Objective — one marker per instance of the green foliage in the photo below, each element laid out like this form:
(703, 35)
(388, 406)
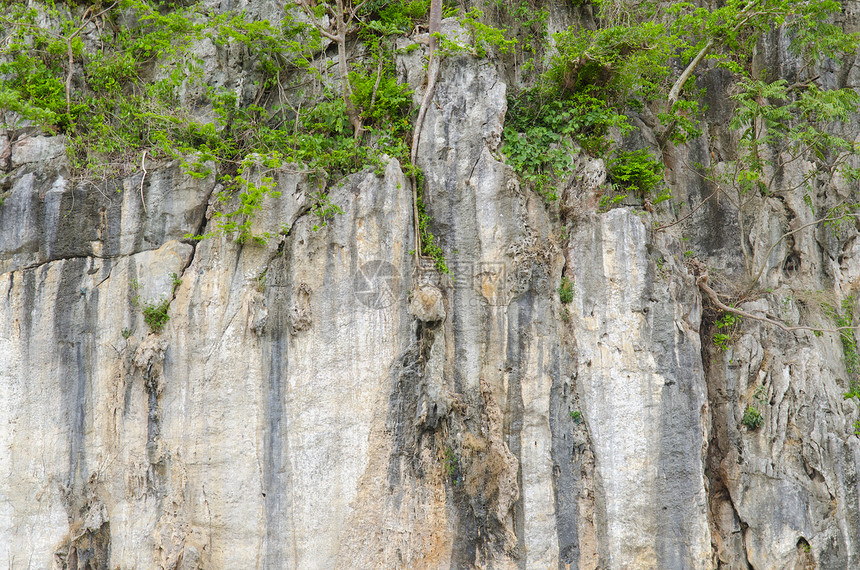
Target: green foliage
(539, 134)
(631, 58)
(399, 16)
(752, 418)
(107, 73)
(727, 327)
(429, 247)
(383, 101)
(128, 99)
(620, 62)
(565, 290)
(683, 121)
(850, 355)
(576, 416)
(486, 38)
(480, 39)
(324, 210)
(794, 122)
(451, 466)
(155, 314)
(609, 201)
(526, 23)
(636, 172)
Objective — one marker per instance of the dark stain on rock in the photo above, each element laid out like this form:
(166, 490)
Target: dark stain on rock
(567, 468)
(70, 335)
(276, 358)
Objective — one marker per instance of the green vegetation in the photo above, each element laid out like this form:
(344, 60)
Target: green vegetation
(429, 246)
(727, 327)
(753, 418)
(540, 130)
(850, 355)
(576, 416)
(155, 314)
(565, 290)
(125, 82)
(119, 96)
(525, 23)
(451, 465)
(636, 172)
(597, 77)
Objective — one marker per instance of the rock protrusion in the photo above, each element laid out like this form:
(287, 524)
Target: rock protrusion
(427, 305)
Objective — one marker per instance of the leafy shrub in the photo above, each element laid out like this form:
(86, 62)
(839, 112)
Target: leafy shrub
(540, 128)
(397, 14)
(636, 172)
(451, 466)
(620, 61)
(382, 99)
(565, 290)
(727, 326)
(155, 314)
(752, 418)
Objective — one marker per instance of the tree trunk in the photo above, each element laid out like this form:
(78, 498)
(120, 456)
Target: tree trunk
(432, 72)
(343, 69)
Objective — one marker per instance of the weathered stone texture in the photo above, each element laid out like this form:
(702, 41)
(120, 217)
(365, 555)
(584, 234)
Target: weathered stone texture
(321, 401)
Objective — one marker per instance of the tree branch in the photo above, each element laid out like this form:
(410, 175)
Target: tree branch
(87, 18)
(307, 10)
(432, 72)
(142, 178)
(785, 235)
(675, 92)
(690, 213)
(702, 282)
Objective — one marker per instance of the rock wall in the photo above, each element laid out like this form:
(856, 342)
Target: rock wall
(324, 401)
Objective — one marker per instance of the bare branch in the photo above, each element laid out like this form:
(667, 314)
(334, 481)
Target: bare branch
(702, 282)
(792, 232)
(305, 6)
(143, 167)
(690, 213)
(432, 72)
(674, 93)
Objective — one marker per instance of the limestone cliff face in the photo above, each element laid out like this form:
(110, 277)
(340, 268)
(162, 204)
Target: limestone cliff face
(323, 402)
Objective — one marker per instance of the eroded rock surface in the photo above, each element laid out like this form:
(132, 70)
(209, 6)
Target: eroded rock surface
(322, 401)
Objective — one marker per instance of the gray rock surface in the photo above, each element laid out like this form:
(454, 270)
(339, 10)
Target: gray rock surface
(321, 401)
(644, 395)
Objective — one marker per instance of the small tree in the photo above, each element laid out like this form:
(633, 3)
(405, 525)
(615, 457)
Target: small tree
(342, 15)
